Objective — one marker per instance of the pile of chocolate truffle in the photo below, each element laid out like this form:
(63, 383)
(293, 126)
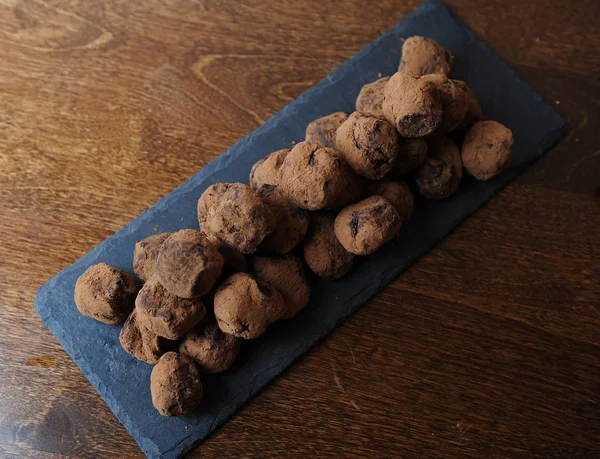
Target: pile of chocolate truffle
(343, 192)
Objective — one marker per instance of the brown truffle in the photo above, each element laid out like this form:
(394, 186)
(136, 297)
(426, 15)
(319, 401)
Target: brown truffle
(369, 144)
(322, 130)
(139, 341)
(313, 177)
(411, 154)
(365, 226)
(146, 254)
(245, 307)
(234, 214)
(175, 385)
(286, 274)
(291, 222)
(454, 97)
(105, 293)
(323, 253)
(188, 264)
(411, 105)
(440, 174)
(397, 193)
(487, 149)
(265, 171)
(213, 350)
(370, 98)
(165, 314)
(422, 56)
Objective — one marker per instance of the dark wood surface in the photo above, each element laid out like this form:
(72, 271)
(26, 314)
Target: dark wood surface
(489, 346)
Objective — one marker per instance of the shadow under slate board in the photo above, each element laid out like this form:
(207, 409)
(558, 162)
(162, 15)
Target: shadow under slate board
(124, 382)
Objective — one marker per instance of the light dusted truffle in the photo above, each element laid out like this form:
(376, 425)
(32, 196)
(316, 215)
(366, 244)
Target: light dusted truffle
(411, 105)
(397, 193)
(105, 293)
(422, 56)
(314, 177)
(487, 149)
(245, 307)
(175, 385)
(165, 314)
(286, 274)
(188, 264)
(211, 349)
(323, 253)
(265, 171)
(234, 214)
(291, 222)
(370, 98)
(145, 255)
(139, 341)
(369, 144)
(454, 97)
(322, 130)
(441, 173)
(411, 154)
(364, 227)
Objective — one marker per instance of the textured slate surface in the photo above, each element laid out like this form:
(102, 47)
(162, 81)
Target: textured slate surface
(123, 382)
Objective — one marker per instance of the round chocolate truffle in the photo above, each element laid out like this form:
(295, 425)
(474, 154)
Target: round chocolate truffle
(397, 193)
(322, 130)
(487, 149)
(453, 95)
(142, 343)
(265, 171)
(422, 56)
(441, 173)
(411, 154)
(370, 98)
(146, 254)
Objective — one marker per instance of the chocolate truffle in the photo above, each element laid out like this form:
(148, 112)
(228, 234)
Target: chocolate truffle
(322, 130)
(188, 264)
(487, 149)
(212, 350)
(165, 314)
(265, 171)
(370, 98)
(286, 274)
(175, 385)
(105, 293)
(454, 97)
(139, 341)
(411, 154)
(235, 214)
(146, 254)
(323, 253)
(397, 193)
(245, 307)
(440, 174)
(365, 226)
(422, 56)
(369, 144)
(411, 105)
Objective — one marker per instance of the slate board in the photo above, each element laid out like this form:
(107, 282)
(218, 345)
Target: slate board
(123, 382)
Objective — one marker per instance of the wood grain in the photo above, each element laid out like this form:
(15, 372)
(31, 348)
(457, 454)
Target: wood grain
(488, 347)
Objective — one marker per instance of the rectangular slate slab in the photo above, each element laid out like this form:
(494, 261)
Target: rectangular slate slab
(123, 381)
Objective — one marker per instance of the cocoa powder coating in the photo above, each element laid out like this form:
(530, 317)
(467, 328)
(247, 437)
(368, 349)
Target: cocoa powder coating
(370, 98)
(397, 193)
(454, 97)
(487, 149)
(422, 56)
(265, 171)
(441, 173)
(139, 341)
(322, 130)
(145, 255)
(411, 154)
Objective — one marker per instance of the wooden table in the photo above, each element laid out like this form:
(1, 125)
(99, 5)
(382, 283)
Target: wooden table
(488, 347)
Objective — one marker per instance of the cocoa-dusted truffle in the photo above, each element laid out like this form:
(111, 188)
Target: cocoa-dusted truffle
(411, 105)
(369, 144)
(213, 350)
(165, 314)
(422, 56)
(365, 226)
(234, 214)
(265, 171)
(397, 193)
(323, 253)
(105, 293)
(291, 222)
(440, 174)
(146, 254)
(453, 95)
(313, 177)
(322, 130)
(188, 264)
(487, 149)
(370, 98)
(139, 341)
(245, 307)
(411, 154)
(286, 274)
(175, 385)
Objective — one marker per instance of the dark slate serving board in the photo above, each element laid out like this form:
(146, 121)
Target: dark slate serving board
(123, 382)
